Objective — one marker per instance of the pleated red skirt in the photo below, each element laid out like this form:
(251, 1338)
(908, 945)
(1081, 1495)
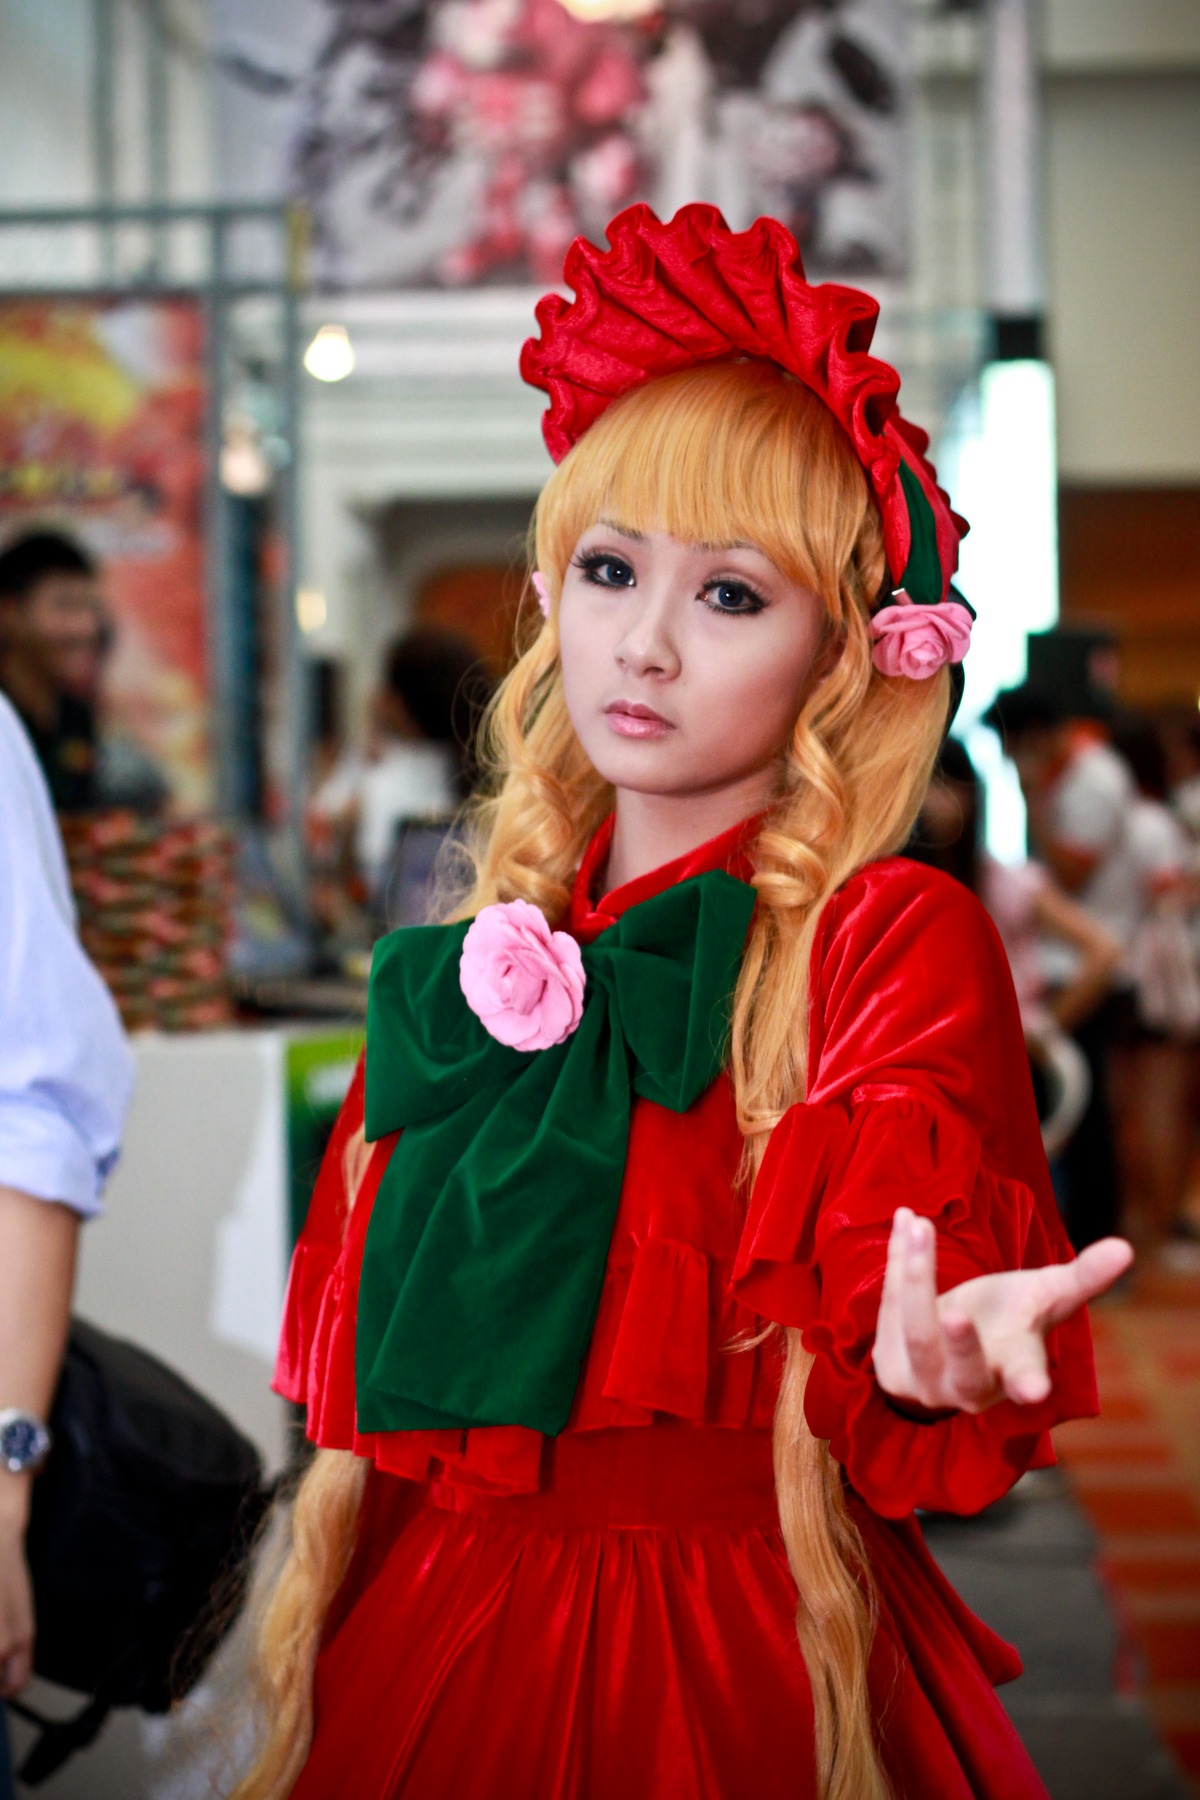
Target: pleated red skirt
(627, 1633)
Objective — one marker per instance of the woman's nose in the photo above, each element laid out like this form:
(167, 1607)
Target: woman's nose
(648, 647)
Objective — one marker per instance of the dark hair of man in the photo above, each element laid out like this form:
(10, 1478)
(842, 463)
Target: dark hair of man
(29, 559)
(1018, 711)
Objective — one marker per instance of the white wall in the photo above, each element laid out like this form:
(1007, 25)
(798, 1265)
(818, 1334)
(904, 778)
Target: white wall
(1122, 215)
(47, 130)
(45, 80)
(1123, 204)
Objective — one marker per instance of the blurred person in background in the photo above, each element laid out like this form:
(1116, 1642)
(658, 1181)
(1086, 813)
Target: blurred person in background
(1182, 744)
(1028, 907)
(1156, 1057)
(1116, 850)
(53, 624)
(65, 1080)
(1182, 741)
(56, 637)
(419, 762)
(1079, 793)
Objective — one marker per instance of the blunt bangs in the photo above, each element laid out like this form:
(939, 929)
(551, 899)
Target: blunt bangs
(725, 453)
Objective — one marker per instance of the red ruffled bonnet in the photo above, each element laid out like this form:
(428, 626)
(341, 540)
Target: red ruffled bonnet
(668, 296)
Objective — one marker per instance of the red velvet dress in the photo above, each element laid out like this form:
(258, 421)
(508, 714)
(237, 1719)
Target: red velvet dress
(609, 1615)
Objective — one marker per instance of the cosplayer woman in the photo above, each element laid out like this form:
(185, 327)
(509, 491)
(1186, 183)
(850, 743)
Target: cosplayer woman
(688, 1226)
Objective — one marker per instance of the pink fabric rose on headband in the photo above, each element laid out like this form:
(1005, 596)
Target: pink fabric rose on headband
(917, 640)
(523, 981)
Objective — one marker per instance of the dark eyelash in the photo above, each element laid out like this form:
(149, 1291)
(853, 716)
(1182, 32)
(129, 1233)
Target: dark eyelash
(743, 587)
(591, 560)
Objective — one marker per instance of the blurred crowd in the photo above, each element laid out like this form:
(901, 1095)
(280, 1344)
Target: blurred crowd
(1102, 928)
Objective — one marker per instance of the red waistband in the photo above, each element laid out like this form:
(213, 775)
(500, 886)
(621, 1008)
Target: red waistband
(658, 1477)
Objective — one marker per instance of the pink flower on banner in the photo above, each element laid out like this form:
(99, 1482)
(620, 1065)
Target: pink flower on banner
(523, 981)
(540, 589)
(917, 640)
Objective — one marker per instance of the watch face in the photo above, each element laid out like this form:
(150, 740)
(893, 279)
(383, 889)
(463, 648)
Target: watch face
(21, 1443)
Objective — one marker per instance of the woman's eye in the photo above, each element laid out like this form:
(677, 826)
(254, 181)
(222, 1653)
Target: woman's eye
(605, 571)
(732, 597)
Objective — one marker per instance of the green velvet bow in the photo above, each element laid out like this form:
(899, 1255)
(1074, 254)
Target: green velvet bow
(487, 1244)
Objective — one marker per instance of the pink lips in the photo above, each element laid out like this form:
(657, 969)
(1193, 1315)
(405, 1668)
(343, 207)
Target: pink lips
(629, 718)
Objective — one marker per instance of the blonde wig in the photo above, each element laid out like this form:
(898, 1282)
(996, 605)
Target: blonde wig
(714, 454)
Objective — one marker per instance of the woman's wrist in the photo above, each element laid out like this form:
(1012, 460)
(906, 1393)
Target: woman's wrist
(15, 1493)
(915, 1413)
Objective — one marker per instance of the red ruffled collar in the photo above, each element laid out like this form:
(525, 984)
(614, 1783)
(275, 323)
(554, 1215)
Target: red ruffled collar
(587, 918)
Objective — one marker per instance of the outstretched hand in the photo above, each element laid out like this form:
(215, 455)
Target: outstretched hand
(984, 1340)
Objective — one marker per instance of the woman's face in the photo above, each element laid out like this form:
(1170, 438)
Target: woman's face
(684, 665)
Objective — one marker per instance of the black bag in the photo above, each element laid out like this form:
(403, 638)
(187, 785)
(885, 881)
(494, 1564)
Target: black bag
(149, 1499)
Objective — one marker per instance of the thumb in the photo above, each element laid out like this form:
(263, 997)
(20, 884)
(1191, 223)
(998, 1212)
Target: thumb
(1093, 1272)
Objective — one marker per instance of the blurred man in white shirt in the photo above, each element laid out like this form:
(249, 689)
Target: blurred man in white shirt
(1079, 794)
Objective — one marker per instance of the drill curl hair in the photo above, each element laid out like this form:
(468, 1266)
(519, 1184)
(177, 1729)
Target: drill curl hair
(722, 452)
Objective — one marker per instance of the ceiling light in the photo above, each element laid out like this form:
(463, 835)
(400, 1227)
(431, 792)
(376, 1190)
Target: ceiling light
(330, 356)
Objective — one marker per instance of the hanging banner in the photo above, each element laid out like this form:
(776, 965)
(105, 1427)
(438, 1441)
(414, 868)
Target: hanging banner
(101, 437)
(462, 143)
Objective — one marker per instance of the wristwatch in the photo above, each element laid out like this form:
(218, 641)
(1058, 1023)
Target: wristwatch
(24, 1441)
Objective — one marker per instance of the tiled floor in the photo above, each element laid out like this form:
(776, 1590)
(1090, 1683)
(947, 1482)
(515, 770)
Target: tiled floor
(1028, 1566)
(1136, 1473)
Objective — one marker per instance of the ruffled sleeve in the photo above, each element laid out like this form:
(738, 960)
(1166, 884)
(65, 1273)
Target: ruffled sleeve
(919, 1096)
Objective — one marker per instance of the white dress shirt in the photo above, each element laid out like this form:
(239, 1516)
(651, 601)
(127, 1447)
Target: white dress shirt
(1137, 844)
(66, 1072)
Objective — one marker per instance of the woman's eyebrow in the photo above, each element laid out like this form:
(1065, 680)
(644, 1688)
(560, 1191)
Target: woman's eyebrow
(704, 549)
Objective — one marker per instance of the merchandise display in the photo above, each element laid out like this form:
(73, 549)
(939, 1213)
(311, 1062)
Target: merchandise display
(154, 899)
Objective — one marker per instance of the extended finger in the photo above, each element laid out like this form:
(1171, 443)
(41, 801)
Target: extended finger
(889, 1355)
(923, 1338)
(969, 1375)
(1070, 1285)
(1023, 1370)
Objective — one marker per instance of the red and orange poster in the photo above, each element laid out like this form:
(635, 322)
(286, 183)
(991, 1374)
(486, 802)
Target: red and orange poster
(101, 434)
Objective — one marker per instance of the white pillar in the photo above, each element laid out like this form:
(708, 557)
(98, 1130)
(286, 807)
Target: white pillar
(1014, 266)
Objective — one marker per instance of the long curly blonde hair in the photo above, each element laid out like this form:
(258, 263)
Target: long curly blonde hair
(720, 453)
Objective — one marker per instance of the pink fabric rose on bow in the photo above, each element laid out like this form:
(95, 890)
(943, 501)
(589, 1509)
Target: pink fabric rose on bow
(523, 981)
(916, 640)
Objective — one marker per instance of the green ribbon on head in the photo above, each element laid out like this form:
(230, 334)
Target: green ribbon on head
(487, 1244)
(922, 577)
